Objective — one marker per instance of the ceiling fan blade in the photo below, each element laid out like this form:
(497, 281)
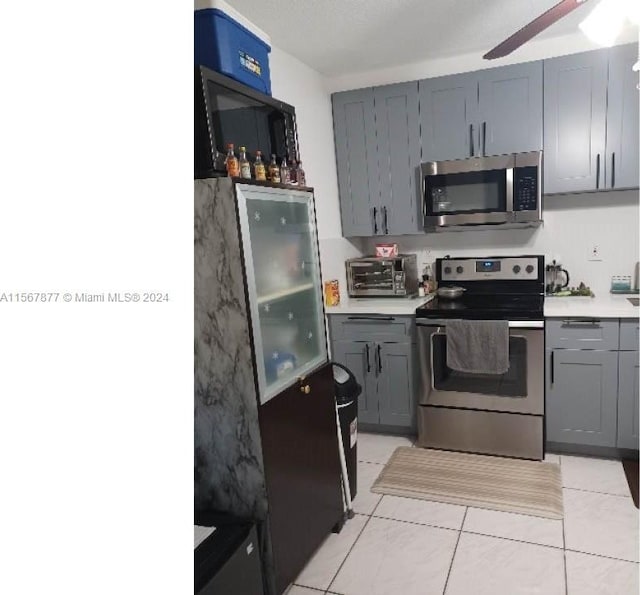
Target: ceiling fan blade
(546, 19)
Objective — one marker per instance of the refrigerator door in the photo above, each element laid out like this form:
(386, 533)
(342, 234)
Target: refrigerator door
(280, 249)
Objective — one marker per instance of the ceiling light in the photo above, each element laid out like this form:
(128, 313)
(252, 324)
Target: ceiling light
(605, 21)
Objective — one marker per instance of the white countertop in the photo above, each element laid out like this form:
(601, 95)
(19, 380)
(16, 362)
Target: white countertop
(601, 306)
(384, 306)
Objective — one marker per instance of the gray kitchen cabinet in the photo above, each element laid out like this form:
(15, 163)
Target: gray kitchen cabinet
(628, 410)
(396, 385)
(357, 163)
(510, 109)
(382, 358)
(377, 155)
(591, 121)
(489, 112)
(358, 357)
(581, 396)
(622, 119)
(398, 134)
(448, 108)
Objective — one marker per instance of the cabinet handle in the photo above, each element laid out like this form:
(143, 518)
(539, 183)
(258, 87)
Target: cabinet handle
(371, 318)
(366, 347)
(484, 139)
(597, 171)
(613, 170)
(581, 322)
(386, 226)
(552, 366)
(470, 140)
(375, 221)
(379, 360)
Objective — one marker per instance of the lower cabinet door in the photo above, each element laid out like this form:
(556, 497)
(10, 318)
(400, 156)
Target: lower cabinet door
(359, 357)
(396, 384)
(302, 471)
(628, 370)
(581, 396)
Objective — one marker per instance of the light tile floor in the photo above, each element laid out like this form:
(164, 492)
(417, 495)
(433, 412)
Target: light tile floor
(401, 546)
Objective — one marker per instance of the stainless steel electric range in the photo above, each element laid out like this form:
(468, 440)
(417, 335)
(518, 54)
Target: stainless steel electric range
(499, 414)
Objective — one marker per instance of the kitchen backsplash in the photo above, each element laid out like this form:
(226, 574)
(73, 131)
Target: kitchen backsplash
(573, 224)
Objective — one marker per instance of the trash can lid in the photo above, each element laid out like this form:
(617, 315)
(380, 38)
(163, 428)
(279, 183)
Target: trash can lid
(340, 375)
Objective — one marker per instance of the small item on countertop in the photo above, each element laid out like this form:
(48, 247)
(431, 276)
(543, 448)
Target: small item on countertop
(421, 291)
(285, 172)
(582, 290)
(620, 283)
(259, 168)
(232, 163)
(301, 177)
(428, 281)
(274, 170)
(332, 293)
(386, 250)
(245, 166)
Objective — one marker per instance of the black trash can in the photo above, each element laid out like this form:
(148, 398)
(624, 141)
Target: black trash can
(347, 391)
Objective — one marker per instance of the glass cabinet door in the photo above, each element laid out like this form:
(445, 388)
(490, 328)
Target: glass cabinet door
(283, 280)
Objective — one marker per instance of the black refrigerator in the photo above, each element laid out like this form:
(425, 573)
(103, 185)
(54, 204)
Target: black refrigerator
(266, 444)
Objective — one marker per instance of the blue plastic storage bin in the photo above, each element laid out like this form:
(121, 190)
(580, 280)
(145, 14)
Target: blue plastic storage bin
(224, 45)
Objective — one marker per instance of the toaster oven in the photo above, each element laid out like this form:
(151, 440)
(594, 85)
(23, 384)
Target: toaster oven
(396, 276)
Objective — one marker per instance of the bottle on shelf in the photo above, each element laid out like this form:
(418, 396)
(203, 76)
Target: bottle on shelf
(293, 172)
(220, 161)
(274, 170)
(233, 166)
(300, 175)
(285, 171)
(245, 166)
(259, 168)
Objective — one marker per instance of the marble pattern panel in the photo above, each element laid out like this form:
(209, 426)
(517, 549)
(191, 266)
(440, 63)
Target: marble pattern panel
(229, 474)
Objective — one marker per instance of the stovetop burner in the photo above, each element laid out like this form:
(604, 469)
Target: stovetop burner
(497, 288)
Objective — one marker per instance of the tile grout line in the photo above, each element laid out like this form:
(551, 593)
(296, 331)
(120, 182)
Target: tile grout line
(602, 556)
(455, 549)
(564, 553)
(369, 517)
(594, 492)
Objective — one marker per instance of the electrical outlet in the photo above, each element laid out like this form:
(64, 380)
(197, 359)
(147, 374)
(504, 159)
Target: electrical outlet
(594, 253)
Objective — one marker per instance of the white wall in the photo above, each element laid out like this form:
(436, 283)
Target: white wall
(301, 86)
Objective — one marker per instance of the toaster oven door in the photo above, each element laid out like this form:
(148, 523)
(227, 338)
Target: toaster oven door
(370, 278)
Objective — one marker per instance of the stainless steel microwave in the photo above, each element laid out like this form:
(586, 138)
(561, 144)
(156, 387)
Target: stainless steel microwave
(498, 191)
(396, 276)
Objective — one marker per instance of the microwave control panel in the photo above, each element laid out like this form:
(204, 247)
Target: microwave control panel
(525, 194)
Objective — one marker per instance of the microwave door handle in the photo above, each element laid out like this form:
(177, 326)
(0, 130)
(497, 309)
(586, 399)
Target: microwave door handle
(509, 190)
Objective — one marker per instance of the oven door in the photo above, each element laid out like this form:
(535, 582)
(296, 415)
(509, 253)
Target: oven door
(471, 191)
(519, 390)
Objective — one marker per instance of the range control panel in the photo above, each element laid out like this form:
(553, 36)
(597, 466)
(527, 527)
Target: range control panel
(506, 268)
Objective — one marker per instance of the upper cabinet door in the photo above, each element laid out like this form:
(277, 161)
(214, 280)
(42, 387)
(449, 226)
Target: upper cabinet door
(448, 109)
(398, 134)
(510, 109)
(575, 103)
(622, 118)
(355, 137)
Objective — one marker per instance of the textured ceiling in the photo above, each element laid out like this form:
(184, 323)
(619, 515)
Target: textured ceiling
(337, 37)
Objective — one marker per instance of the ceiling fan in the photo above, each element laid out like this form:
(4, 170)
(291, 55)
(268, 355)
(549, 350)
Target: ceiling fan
(602, 25)
(520, 37)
